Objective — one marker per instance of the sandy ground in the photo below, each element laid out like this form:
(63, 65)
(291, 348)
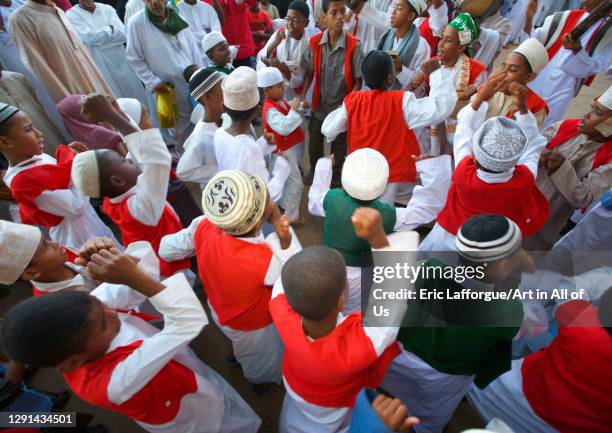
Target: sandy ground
(213, 347)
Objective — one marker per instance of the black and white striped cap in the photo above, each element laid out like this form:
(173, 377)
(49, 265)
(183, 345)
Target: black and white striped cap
(488, 237)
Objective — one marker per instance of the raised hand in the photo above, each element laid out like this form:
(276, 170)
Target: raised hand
(393, 413)
(92, 246)
(519, 94)
(77, 147)
(281, 227)
(430, 66)
(368, 225)
(571, 44)
(98, 107)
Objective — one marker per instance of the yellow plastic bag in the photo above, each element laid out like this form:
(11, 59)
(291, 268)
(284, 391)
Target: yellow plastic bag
(167, 111)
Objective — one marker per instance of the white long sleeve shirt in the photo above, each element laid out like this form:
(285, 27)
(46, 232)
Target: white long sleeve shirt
(147, 199)
(418, 112)
(242, 152)
(468, 123)
(198, 163)
(201, 17)
(427, 199)
(283, 124)
(181, 245)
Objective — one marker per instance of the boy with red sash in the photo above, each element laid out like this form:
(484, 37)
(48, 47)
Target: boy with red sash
(467, 74)
(571, 62)
(238, 267)
(284, 122)
(496, 163)
(134, 198)
(329, 357)
(521, 66)
(575, 168)
(564, 387)
(333, 65)
(117, 361)
(385, 120)
(41, 184)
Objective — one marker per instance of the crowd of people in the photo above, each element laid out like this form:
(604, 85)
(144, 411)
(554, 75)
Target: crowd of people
(436, 129)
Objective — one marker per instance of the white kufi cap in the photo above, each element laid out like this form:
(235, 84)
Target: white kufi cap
(365, 174)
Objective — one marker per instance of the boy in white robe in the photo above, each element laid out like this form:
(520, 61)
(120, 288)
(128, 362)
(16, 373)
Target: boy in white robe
(122, 363)
(235, 148)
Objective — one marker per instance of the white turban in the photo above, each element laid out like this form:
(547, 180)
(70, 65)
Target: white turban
(86, 173)
(418, 5)
(499, 143)
(18, 244)
(234, 201)
(606, 99)
(240, 89)
(211, 39)
(269, 76)
(535, 53)
(365, 174)
(131, 107)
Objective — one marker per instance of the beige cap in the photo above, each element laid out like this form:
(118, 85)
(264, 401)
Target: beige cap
(535, 53)
(18, 244)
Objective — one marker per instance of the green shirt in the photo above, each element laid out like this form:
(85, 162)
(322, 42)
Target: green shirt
(222, 69)
(338, 231)
(472, 337)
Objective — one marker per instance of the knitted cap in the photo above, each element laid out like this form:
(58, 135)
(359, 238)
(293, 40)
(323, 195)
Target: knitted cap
(535, 53)
(488, 237)
(86, 173)
(18, 244)
(240, 89)
(365, 174)
(499, 144)
(234, 201)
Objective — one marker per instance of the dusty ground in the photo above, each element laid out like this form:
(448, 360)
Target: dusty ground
(213, 347)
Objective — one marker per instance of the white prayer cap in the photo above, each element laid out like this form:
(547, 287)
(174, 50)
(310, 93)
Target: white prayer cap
(488, 237)
(535, 53)
(278, 23)
(131, 107)
(499, 144)
(418, 5)
(240, 89)
(606, 99)
(269, 76)
(86, 173)
(211, 39)
(365, 174)
(18, 244)
(234, 201)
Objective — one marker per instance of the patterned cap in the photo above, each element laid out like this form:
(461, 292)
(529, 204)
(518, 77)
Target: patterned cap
(18, 245)
(466, 27)
(365, 174)
(499, 144)
(606, 99)
(234, 201)
(240, 89)
(85, 173)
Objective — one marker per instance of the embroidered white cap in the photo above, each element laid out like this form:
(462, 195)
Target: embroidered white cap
(535, 53)
(240, 89)
(606, 98)
(499, 143)
(211, 39)
(18, 244)
(85, 173)
(269, 76)
(365, 174)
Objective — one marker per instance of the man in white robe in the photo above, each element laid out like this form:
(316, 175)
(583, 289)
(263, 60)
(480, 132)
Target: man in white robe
(160, 56)
(200, 16)
(100, 28)
(573, 63)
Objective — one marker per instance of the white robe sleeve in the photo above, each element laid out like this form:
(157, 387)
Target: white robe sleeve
(93, 37)
(149, 150)
(438, 18)
(184, 318)
(434, 108)
(281, 124)
(136, 57)
(427, 199)
(535, 142)
(62, 202)
(335, 123)
(198, 162)
(372, 16)
(422, 54)
(180, 245)
(582, 65)
(320, 186)
(468, 122)
(280, 256)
